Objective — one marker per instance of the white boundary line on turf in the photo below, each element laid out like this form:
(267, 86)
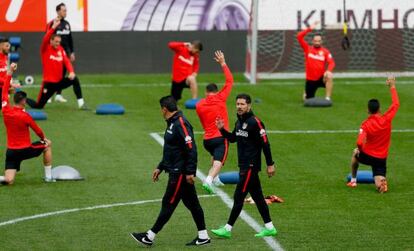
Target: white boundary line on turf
(274, 244)
(73, 210)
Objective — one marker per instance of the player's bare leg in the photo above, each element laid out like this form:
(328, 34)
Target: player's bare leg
(47, 162)
(328, 79)
(354, 169)
(192, 82)
(381, 183)
(8, 178)
(212, 175)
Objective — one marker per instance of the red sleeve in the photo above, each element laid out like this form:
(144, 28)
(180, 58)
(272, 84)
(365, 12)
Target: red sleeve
(35, 127)
(49, 26)
(46, 40)
(301, 39)
(176, 46)
(5, 91)
(330, 60)
(225, 91)
(1, 82)
(361, 137)
(67, 63)
(196, 65)
(390, 113)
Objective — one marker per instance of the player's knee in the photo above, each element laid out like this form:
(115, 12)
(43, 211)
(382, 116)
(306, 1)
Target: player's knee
(9, 180)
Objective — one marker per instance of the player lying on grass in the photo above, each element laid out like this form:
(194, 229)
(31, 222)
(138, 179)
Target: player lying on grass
(19, 145)
(208, 110)
(179, 160)
(185, 67)
(374, 140)
(54, 60)
(251, 138)
(316, 59)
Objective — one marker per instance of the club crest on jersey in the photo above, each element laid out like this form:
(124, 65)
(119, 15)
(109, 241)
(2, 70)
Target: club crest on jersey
(59, 53)
(321, 53)
(262, 132)
(244, 126)
(67, 26)
(3, 104)
(188, 140)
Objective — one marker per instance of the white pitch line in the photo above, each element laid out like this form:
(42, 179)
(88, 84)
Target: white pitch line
(273, 244)
(72, 210)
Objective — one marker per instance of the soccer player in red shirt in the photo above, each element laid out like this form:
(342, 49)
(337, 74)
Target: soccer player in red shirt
(19, 145)
(4, 57)
(208, 110)
(54, 60)
(374, 140)
(185, 67)
(316, 59)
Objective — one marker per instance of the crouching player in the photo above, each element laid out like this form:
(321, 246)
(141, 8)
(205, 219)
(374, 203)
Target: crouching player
(19, 145)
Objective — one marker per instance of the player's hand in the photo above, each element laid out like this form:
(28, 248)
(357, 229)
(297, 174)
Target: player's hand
(156, 174)
(219, 123)
(313, 26)
(15, 85)
(190, 179)
(56, 23)
(72, 57)
(390, 81)
(219, 57)
(271, 170)
(328, 74)
(47, 142)
(72, 76)
(12, 68)
(356, 151)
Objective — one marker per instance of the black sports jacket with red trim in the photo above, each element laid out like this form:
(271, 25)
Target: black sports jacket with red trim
(250, 135)
(180, 150)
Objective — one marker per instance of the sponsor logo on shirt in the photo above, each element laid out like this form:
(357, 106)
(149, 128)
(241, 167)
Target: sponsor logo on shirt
(189, 61)
(317, 57)
(3, 69)
(59, 58)
(63, 32)
(242, 133)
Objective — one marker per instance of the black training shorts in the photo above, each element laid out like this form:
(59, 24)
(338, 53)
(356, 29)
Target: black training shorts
(312, 85)
(379, 166)
(14, 157)
(177, 88)
(218, 148)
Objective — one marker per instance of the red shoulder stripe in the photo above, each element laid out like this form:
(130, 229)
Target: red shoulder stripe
(262, 130)
(188, 139)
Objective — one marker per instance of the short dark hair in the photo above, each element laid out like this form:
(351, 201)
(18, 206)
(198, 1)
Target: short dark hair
(373, 106)
(245, 97)
(4, 40)
(169, 103)
(197, 44)
(53, 36)
(19, 96)
(212, 87)
(59, 6)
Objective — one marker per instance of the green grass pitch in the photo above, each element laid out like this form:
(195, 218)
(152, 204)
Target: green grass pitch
(116, 155)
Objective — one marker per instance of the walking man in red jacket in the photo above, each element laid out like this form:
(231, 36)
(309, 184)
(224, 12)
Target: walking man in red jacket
(374, 140)
(185, 67)
(319, 64)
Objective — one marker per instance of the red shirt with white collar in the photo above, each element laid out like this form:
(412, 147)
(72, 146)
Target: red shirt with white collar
(184, 63)
(3, 68)
(316, 59)
(53, 60)
(375, 132)
(17, 122)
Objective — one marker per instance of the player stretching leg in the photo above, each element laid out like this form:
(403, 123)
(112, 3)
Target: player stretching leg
(208, 110)
(19, 146)
(374, 140)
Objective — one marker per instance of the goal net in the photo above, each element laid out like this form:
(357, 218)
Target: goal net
(381, 35)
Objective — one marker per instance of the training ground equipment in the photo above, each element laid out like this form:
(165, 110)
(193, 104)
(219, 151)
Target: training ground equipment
(110, 109)
(229, 177)
(66, 173)
(37, 115)
(191, 103)
(29, 80)
(317, 102)
(364, 176)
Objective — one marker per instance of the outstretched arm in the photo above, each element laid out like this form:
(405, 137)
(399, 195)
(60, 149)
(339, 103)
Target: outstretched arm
(392, 110)
(231, 136)
(49, 33)
(301, 36)
(176, 46)
(6, 86)
(225, 91)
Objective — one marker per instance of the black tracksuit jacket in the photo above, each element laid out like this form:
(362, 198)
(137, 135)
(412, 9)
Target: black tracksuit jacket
(65, 32)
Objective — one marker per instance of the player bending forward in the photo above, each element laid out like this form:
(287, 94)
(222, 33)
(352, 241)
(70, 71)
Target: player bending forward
(19, 146)
(374, 140)
(208, 110)
(251, 138)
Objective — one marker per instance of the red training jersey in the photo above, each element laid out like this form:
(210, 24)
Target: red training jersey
(53, 60)
(315, 58)
(375, 132)
(3, 68)
(213, 106)
(184, 63)
(17, 122)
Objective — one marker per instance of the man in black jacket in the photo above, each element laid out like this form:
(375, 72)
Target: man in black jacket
(251, 138)
(180, 161)
(65, 32)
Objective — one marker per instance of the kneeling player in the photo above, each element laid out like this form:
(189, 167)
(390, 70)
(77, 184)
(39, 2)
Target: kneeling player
(374, 140)
(19, 146)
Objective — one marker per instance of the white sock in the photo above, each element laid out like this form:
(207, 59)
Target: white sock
(48, 172)
(2, 178)
(228, 227)
(203, 234)
(81, 102)
(353, 179)
(269, 225)
(58, 96)
(209, 180)
(327, 98)
(151, 235)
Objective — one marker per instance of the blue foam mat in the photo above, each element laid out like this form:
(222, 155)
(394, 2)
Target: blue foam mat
(191, 103)
(363, 176)
(37, 115)
(110, 109)
(229, 177)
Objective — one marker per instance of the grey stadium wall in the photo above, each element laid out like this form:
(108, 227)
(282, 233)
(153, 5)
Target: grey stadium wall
(135, 52)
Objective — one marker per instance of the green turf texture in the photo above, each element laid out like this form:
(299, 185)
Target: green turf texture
(116, 155)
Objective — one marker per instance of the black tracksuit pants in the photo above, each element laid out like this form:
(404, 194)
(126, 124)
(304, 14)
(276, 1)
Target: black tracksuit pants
(48, 89)
(178, 189)
(249, 183)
